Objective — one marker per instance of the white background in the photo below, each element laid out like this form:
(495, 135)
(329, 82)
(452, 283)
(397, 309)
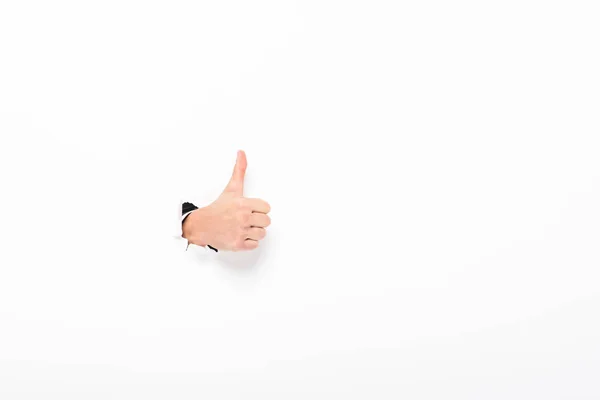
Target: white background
(433, 173)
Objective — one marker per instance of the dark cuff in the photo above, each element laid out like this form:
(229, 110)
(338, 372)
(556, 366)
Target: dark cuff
(187, 207)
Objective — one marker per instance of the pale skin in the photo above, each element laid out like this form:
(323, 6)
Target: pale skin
(232, 222)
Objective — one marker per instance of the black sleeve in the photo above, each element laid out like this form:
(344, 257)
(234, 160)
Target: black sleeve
(186, 208)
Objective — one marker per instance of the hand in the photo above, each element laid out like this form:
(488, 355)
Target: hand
(232, 222)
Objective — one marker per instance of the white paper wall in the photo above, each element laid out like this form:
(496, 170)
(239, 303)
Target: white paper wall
(433, 174)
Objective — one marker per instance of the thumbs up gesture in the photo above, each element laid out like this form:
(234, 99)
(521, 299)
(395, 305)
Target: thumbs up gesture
(232, 222)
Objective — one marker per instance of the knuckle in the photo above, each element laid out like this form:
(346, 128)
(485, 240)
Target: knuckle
(238, 245)
(240, 235)
(240, 202)
(244, 218)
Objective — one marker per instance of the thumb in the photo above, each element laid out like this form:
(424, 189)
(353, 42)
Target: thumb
(236, 183)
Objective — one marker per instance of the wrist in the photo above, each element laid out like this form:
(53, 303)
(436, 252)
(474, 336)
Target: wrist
(194, 227)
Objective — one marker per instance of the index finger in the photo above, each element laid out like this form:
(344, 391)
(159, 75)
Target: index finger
(258, 205)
